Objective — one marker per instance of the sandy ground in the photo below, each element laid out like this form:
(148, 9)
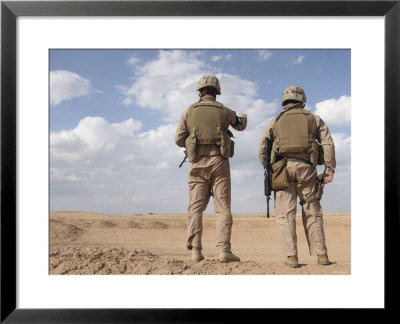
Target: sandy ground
(92, 243)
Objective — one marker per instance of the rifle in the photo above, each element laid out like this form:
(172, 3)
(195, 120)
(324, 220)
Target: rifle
(183, 159)
(267, 172)
(319, 187)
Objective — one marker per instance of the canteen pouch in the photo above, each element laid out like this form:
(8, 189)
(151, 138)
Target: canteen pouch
(275, 150)
(279, 178)
(190, 144)
(226, 145)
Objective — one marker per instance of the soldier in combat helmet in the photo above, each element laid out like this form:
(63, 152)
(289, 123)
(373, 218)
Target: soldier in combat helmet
(203, 131)
(301, 141)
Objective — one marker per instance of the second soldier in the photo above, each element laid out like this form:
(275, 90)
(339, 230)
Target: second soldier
(301, 141)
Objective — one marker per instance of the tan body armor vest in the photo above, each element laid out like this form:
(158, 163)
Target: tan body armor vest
(207, 122)
(295, 131)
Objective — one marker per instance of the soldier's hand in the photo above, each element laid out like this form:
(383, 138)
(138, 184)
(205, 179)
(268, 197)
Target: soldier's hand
(327, 179)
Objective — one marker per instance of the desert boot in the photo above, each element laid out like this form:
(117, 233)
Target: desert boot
(323, 259)
(292, 261)
(196, 254)
(228, 256)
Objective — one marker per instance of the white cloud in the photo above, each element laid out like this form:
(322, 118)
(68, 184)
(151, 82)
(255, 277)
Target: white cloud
(65, 85)
(119, 168)
(94, 140)
(342, 148)
(73, 178)
(127, 101)
(133, 60)
(335, 111)
(264, 55)
(299, 59)
(102, 166)
(168, 86)
(216, 58)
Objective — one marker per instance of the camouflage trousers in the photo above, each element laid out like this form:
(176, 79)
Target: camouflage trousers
(302, 184)
(206, 174)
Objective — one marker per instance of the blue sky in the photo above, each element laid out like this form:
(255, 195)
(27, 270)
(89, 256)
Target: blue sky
(113, 115)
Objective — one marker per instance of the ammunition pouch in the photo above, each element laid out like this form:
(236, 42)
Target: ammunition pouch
(279, 177)
(226, 145)
(190, 144)
(275, 150)
(316, 153)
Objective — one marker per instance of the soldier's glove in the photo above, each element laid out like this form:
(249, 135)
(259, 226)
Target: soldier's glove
(239, 119)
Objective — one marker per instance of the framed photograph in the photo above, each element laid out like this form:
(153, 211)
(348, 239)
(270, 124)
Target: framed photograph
(42, 39)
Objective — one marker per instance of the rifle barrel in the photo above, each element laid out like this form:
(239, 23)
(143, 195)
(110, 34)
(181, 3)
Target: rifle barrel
(267, 172)
(183, 161)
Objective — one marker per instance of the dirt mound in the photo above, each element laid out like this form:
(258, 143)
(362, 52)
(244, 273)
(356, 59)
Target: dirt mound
(129, 224)
(155, 225)
(116, 223)
(61, 232)
(79, 260)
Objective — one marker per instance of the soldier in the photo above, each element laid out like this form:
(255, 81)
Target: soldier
(301, 141)
(203, 131)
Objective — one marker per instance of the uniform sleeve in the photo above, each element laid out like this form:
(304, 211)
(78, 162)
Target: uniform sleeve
(233, 122)
(261, 146)
(182, 131)
(328, 145)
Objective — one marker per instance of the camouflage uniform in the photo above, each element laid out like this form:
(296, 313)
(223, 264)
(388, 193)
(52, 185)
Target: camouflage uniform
(302, 179)
(209, 171)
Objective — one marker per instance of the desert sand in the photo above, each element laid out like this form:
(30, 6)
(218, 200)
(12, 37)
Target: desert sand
(99, 244)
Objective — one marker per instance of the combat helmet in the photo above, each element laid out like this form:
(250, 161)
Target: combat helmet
(293, 93)
(209, 80)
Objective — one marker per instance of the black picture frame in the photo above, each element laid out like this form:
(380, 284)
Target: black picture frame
(10, 10)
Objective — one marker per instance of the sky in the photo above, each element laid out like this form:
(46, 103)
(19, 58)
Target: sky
(113, 116)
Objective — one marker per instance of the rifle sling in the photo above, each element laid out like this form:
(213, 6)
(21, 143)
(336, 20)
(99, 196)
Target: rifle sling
(285, 111)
